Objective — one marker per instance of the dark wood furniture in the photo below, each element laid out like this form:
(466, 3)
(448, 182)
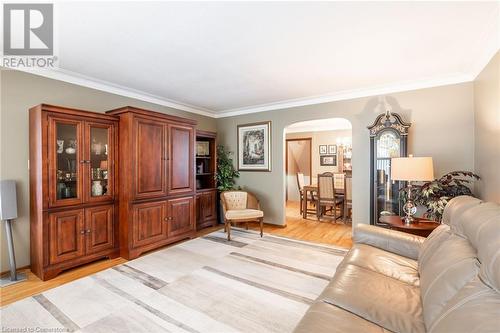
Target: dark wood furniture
(72, 188)
(156, 180)
(388, 139)
(206, 190)
(420, 227)
(328, 197)
(310, 191)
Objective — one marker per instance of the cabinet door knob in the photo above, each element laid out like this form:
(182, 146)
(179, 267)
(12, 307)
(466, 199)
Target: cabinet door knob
(88, 231)
(82, 232)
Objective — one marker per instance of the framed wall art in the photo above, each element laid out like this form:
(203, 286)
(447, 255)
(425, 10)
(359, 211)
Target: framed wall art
(328, 160)
(332, 149)
(254, 147)
(323, 149)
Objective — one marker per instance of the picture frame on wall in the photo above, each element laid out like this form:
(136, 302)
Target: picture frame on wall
(332, 149)
(254, 147)
(328, 160)
(323, 149)
(202, 148)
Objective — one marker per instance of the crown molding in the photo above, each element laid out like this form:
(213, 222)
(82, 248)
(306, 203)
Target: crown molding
(350, 94)
(89, 82)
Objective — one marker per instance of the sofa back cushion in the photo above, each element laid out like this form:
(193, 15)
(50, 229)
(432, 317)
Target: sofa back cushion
(475, 308)
(457, 206)
(452, 264)
(459, 268)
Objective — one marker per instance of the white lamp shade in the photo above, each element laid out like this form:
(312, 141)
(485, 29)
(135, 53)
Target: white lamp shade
(412, 168)
(8, 201)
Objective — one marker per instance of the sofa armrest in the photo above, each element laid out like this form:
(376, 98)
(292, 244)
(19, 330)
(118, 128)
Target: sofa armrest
(397, 242)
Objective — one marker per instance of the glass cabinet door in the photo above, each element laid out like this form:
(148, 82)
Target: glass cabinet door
(387, 146)
(65, 175)
(99, 139)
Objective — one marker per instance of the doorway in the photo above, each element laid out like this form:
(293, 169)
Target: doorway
(312, 148)
(298, 161)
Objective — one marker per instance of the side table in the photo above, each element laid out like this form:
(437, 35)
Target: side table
(419, 226)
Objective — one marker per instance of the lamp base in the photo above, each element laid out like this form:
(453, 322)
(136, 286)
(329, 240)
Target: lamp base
(6, 279)
(408, 219)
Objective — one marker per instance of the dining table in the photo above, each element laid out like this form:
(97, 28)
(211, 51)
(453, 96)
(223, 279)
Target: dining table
(312, 189)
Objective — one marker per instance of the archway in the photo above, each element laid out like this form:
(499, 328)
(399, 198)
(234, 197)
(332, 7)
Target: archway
(328, 145)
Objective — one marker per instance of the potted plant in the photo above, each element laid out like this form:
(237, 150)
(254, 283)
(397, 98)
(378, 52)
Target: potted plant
(434, 195)
(226, 174)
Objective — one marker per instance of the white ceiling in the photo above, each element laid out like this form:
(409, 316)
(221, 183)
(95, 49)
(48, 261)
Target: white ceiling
(220, 58)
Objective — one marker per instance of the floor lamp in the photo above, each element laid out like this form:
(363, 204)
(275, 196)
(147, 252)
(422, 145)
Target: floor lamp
(8, 212)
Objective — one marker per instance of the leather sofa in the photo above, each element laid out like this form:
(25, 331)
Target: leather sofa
(396, 282)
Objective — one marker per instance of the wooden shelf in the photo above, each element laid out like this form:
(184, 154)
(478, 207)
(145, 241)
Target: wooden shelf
(205, 174)
(204, 157)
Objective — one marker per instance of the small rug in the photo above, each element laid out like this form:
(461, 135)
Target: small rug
(207, 284)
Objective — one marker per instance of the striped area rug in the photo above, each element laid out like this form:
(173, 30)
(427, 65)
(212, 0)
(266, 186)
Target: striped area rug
(208, 284)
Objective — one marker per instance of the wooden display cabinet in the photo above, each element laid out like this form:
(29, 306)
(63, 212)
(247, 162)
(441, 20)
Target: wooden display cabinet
(72, 188)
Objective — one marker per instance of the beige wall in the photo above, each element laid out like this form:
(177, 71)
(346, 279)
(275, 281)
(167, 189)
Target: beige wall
(442, 127)
(321, 138)
(487, 130)
(20, 91)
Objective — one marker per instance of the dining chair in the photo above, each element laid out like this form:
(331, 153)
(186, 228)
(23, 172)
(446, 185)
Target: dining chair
(310, 196)
(327, 197)
(300, 185)
(339, 180)
(240, 207)
(347, 197)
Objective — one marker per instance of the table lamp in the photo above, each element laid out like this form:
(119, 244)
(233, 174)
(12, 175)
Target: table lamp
(411, 169)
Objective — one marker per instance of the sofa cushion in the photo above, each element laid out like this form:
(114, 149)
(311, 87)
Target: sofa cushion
(383, 262)
(481, 226)
(244, 214)
(326, 318)
(457, 206)
(475, 308)
(432, 243)
(447, 270)
(385, 301)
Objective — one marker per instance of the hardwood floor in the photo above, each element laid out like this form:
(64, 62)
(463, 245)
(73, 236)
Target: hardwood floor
(326, 232)
(338, 234)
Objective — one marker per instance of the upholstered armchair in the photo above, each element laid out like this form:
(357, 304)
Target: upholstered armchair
(240, 207)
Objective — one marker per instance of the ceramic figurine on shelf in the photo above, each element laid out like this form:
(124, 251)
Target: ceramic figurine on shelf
(97, 147)
(71, 147)
(60, 146)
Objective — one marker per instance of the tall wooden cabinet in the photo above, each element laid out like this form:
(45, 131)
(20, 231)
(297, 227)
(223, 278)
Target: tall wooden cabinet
(206, 191)
(156, 180)
(72, 188)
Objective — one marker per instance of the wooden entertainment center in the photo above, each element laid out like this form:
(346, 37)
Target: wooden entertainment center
(115, 184)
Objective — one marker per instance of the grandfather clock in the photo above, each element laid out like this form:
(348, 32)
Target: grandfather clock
(388, 139)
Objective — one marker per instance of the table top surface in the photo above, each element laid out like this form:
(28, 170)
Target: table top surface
(419, 223)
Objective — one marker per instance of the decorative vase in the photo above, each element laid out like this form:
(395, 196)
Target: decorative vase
(60, 146)
(97, 148)
(96, 188)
